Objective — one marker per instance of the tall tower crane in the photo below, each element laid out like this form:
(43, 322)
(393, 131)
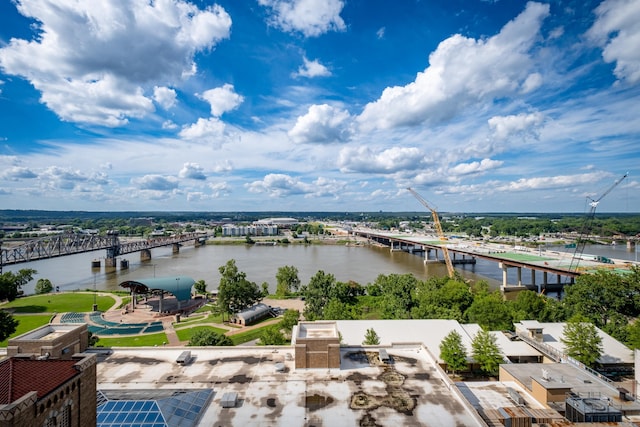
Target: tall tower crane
(588, 221)
(441, 236)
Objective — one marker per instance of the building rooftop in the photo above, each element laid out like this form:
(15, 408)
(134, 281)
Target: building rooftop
(429, 332)
(319, 330)
(409, 391)
(47, 332)
(21, 376)
(560, 376)
(614, 352)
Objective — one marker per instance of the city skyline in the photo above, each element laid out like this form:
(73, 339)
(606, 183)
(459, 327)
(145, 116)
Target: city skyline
(309, 105)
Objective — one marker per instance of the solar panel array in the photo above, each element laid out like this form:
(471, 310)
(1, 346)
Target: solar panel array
(183, 409)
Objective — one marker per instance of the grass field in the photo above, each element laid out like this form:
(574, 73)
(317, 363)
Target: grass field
(206, 319)
(27, 323)
(146, 340)
(59, 303)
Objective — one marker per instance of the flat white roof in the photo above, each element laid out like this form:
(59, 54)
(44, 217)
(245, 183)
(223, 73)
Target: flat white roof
(316, 330)
(429, 332)
(552, 333)
(48, 332)
(359, 391)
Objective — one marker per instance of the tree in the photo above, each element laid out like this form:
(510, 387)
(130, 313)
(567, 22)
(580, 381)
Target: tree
(272, 335)
(206, 337)
(8, 325)
(200, 287)
(453, 352)
(490, 311)
(235, 292)
(336, 310)
(43, 286)
(289, 319)
(582, 341)
(287, 280)
(371, 337)
(11, 283)
(317, 294)
(486, 352)
(397, 290)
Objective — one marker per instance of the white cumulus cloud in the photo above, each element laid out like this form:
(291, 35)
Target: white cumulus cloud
(281, 185)
(192, 171)
(322, 124)
(222, 99)
(475, 167)
(92, 60)
(462, 71)
(156, 182)
(209, 130)
(504, 127)
(617, 30)
(164, 96)
(312, 69)
(309, 17)
(391, 160)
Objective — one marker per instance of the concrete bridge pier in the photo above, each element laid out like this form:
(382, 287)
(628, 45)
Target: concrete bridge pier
(176, 248)
(110, 262)
(631, 245)
(145, 255)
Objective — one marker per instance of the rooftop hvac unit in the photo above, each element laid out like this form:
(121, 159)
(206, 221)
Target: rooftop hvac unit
(515, 396)
(229, 400)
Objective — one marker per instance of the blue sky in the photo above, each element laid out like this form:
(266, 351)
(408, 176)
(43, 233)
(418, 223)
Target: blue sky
(319, 105)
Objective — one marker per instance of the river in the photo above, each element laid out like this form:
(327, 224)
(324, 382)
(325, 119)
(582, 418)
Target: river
(361, 264)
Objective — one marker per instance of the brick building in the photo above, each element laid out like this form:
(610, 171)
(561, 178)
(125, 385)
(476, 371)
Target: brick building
(48, 392)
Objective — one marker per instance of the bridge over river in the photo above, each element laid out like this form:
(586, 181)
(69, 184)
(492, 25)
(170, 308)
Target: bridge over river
(506, 257)
(74, 243)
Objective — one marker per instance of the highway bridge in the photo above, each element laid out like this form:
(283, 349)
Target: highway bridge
(506, 257)
(75, 243)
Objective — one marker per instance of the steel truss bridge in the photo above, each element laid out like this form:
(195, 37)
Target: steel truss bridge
(75, 243)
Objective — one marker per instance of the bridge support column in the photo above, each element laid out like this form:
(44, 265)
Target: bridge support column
(631, 245)
(533, 279)
(110, 262)
(176, 248)
(519, 276)
(145, 255)
(504, 274)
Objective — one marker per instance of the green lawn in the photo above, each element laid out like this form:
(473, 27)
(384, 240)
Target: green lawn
(247, 336)
(186, 334)
(185, 323)
(27, 323)
(59, 303)
(146, 340)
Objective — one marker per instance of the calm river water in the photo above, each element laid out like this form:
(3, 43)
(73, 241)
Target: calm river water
(361, 264)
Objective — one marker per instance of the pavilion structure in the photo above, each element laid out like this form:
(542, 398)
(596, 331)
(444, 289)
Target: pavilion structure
(178, 286)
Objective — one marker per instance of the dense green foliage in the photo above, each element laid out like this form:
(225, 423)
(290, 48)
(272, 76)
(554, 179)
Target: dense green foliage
(453, 352)
(11, 283)
(43, 286)
(582, 341)
(486, 352)
(207, 337)
(272, 335)
(287, 280)
(200, 286)
(235, 292)
(609, 300)
(8, 325)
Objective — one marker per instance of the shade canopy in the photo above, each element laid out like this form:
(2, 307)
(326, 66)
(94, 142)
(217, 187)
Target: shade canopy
(178, 286)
